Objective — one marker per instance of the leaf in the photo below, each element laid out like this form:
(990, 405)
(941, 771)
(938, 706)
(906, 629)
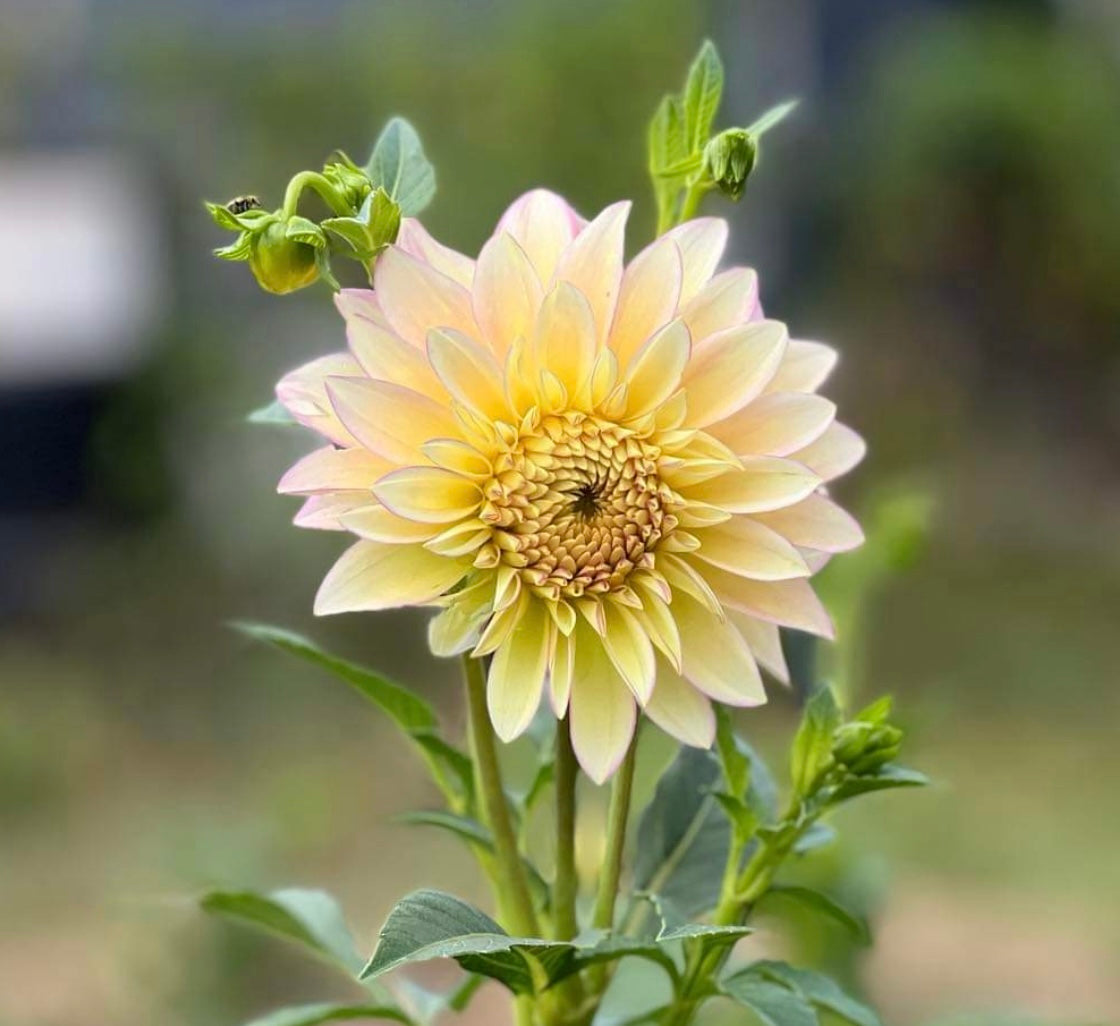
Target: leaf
(744, 821)
(313, 1015)
(878, 712)
(273, 413)
(307, 917)
(815, 836)
(735, 762)
(821, 903)
(702, 92)
(399, 166)
(772, 117)
(812, 745)
(886, 778)
(821, 990)
(456, 762)
(774, 1003)
(683, 837)
(667, 147)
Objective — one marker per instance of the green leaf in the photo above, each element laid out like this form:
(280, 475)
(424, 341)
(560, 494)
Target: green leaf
(878, 712)
(744, 820)
(815, 901)
(812, 745)
(772, 117)
(274, 413)
(702, 92)
(313, 1015)
(469, 830)
(457, 767)
(816, 835)
(301, 229)
(735, 762)
(307, 917)
(886, 778)
(683, 837)
(821, 990)
(398, 165)
(667, 148)
(773, 1002)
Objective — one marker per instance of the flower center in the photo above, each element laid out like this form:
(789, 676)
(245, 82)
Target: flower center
(576, 504)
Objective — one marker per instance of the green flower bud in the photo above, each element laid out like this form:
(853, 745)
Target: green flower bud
(729, 159)
(279, 263)
(864, 747)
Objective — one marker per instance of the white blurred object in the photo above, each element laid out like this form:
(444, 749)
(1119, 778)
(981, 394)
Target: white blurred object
(82, 267)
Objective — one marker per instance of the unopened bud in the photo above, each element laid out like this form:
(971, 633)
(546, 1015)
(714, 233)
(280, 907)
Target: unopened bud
(279, 263)
(729, 159)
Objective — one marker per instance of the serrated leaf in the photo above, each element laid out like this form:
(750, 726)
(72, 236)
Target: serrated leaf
(773, 1002)
(820, 990)
(313, 1015)
(821, 903)
(812, 745)
(310, 918)
(683, 837)
(274, 413)
(398, 165)
(886, 778)
(702, 93)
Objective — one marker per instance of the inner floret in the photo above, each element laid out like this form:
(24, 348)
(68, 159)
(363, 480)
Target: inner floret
(577, 504)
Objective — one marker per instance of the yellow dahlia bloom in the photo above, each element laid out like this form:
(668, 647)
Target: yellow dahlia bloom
(610, 479)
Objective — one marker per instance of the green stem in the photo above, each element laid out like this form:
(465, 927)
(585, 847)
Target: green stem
(618, 816)
(511, 886)
(691, 202)
(314, 180)
(566, 886)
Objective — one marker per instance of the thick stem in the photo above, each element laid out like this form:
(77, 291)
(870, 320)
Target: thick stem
(512, 886)
(313, 180)
(566, 886)
(618, 816)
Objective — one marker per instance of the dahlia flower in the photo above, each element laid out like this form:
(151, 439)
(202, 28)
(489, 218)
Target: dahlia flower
(610, 479)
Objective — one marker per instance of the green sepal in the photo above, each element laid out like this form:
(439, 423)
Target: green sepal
(886, 778)
(302, 229)
(239, 249)
(250, 220)
(274, 413)
(811, 754)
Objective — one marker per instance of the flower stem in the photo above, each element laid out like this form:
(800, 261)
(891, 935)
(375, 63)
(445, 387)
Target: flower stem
(313, 180)
(566, 886)
(618, 815)
(512, 887)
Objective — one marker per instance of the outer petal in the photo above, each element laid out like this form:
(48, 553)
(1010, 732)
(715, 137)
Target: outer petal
(655, 372)
(834, 453)
(375, 523)
(517, 671)
(701, 243)
(414, 239)
(648, 297)
(372, 575)
(763, 483)
(415, 297)
(326, 512)
(468, 372)
(630, 649)
(816, 523)
(750, 549)
(716, 658)
(543, 223)
(805, 368)
(330, 469)
(429, 495)
(593, 263)
(765, 642)
(726, 301)
(786, 603)
(776, 424)
(680, 710)
(506, 295)
(730, 368)
(303, 393)
(390, 420)
(385, 355)
(602, 708)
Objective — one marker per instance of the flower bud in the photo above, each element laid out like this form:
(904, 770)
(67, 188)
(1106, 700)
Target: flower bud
(729, 159)
(864, 747)
(279, 263)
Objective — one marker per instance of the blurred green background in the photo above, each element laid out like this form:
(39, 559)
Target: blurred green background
(944, 208)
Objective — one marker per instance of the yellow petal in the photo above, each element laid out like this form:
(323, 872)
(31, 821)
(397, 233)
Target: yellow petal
(806, 367)
(565, 337)
(360, 303)
(303, 393)
(330, 469)
(560, 675)
(816, 523)
(325, 512)
(729, 369)
(593, 264)
(415, 297)
(655, 371)
(765, 641)
(681, 711)
(656, 617)
(385, 355)
(414, 239)
(430, 495)
(716, 659)
(834, 453)
(456, 629)
(630, 649)
(776, 424)
(543, 224)
(725, 302)
(762, 483)
(701, 242)
(463, 539)
(750, 549)
(375, 523)
(513, 687)
(452, 454)
(506, 295)
(648, 296)
(468, 372)
(392, 421)
(601, 709)
(372, 575)
(787, 603)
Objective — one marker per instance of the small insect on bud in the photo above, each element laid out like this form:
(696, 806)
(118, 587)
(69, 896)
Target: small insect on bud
(729, 159)
(240, 204)
(282, 264)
